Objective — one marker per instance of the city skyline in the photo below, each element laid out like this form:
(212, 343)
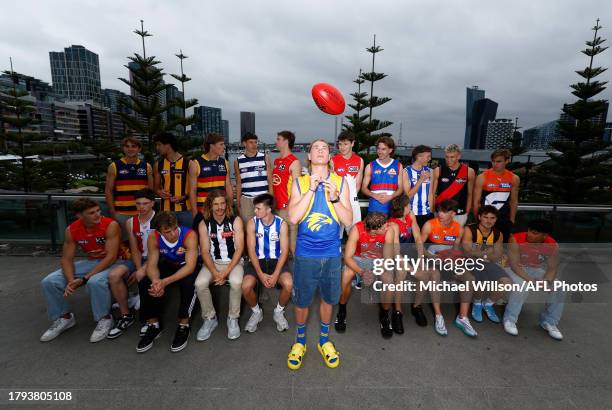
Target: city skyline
(524, 58)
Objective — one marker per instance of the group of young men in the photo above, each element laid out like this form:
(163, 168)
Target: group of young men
(290, 225)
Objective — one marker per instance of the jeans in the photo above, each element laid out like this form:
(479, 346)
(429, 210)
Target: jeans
(53, 286)
(202, 285)
(554, 299)
(312, 273)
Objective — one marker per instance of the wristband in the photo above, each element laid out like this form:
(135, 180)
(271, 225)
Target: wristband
(84, 279)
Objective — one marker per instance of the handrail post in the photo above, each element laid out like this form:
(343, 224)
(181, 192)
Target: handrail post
(52, 225)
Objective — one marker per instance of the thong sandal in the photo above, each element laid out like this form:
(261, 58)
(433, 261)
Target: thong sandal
(330, 354)
(294, 361)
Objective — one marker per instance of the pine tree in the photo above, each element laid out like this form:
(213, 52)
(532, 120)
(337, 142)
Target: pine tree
(357, 121)
(578, 172)
(185, 104)
(373, 101)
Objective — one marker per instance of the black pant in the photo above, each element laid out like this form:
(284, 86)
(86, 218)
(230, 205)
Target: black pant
(505, 226)
(421, 219)
(151, 307)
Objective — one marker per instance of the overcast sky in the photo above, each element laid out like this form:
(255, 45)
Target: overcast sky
(264, 56)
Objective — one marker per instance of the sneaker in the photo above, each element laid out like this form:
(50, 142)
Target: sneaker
(101, 331)
(552, 330)
(385, 326)
(143, 330)
(440, 326)
(57, 328)
(233, 328)
(477, 312)
(181, 337)
(491, 313)
(121, 326)
(357, 283)
(254, 320)
(397, 323)
(419, 316)
(510, 328)
(207, 328)
(463, 323)
(280, 320)
(146, 341)
(340, 323)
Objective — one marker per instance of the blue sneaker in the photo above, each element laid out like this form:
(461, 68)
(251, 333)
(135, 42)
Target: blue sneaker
(463, 324)
(491, 314)
(477, 312)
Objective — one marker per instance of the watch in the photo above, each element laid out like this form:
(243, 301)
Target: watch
(334, 201)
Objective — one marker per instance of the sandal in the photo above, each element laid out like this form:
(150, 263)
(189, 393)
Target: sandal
(330, 354)
(294, 361)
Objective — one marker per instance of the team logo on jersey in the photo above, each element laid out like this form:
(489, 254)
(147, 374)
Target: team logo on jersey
(460, 180)
(141, 171)
(227, 234)
(378, 172)
(505, 185)
(450, 238)
(221, 167)
(282, 167)
(316, 221)
(124, 171)
(83, 242)
(181, 250)
(164, 171)
(206, 169)
(276, 180)
(259, 235)
(274, 236)
(392, 171)
(100, 240)
(497, 199)
(353, 168)
(444, 179)
(339, 170)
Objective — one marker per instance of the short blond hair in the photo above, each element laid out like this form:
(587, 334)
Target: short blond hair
(452, 148)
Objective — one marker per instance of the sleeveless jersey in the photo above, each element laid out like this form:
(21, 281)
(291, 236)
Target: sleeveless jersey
(405, 228)
(174, 178)
(267, 238)
(91, 240)
(141, 232)
(384, 179)
(253, 175)
(281, 180)
(535, 254)
(496, 191)
(369, 246)
(318, 234)
(419, 203)
(129, 178)
(173, 252)
(221, 239)
(453, 184)
(482, 242)
(349, 169)
(211, 176)
(444, 235)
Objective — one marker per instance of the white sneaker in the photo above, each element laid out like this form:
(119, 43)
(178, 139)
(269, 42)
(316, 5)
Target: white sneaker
(280, 320)
(254, 320)
(552, 330)
(510, 328)
(57, 327)
(207, 328)
(440, 326)
(463, 324)
(233, 329)
(101, 331)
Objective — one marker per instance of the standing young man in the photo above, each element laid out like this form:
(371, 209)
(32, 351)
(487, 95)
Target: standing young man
(253, 176)
(454, 180)
(382, 177)
(124, 177)
(98, 236)
(499, 187)
(349, 165)
(268, 248)
(319, 204)
(417, 184)
(171, 178)
(287, 168)
(209, 172)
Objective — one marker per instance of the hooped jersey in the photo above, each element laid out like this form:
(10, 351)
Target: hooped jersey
(92, 241)
(129, 178)
(369, 246)
(211, 176)
(496, 191)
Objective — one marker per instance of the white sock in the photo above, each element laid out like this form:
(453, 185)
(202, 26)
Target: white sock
(256, 308)
(488, 302)
(477, 301)
(279, 308)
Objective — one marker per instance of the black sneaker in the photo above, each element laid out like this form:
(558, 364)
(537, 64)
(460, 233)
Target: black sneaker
(121, 325)
(385, 326)
(419, 316)
(340, 323)
(146, 341)
(181, 337)
(397, 323)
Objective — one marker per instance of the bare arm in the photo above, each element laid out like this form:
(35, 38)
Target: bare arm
(250, 238)
(111, 248)
(552, 265)
(434, 186)
(229, 192)
(238, 184)
(68, 252)
(360, 174)
(150, 180)
(111, 175)
(418, 236)
(478, 193)
(514, 197)
(238, 245)
(296, 170)
(269, 174)
(514, 259)
(191, 260)
(284, 243)
(205, 248)
(299, 201)
(400, 183)
(470, 196)
(343, 208)
(365, 183)
(349, 251)
(152, 258)
(134, 249)
(194, 170)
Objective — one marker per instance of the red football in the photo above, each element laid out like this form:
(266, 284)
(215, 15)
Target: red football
(328, 98)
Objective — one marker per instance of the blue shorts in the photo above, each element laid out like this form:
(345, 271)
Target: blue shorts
(312, 273)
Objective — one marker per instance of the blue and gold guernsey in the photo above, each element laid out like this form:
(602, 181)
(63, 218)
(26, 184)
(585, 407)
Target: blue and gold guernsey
(173, 253)
(318, 233)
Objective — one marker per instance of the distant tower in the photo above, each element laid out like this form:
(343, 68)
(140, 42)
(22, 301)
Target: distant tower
(400, 142)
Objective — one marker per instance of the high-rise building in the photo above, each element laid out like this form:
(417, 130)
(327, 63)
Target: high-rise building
(112, 100)
(75, 74)
(247, 123)
(39, 89)
(484, 111)
(94, 121)
(473, 94)
(540, 136)
(208, 119)
(174, 112)
(499, 133)
(225, 124)
(608, 132)
(66, 121)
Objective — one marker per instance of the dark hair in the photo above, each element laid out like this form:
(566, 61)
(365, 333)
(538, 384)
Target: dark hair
(265, 198)
(540, 225)
(166, 138)
(387, 140)
(346, 136)
(207, 210)
(248, 136)
(502, 152)
(131, 140)
(165, 219)
(145, 193)
(398, 204)
(447, 205)
(375, 220)
(83, 204)
(419, 149)
(211, 139)
(289, 136)
(488, 209)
